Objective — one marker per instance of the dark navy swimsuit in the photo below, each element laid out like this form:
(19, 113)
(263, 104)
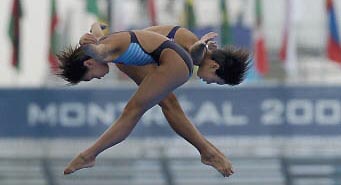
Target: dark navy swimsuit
(136, 55)
(172, 33)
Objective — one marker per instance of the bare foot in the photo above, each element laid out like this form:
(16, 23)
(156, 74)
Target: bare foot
(218, 161)
(215, 148)
(78, 163)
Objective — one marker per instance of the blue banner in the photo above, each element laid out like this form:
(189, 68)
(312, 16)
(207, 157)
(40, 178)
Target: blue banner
(258, 111)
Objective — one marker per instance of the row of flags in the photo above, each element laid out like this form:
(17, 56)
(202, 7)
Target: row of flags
(54, 37)
(287, 51)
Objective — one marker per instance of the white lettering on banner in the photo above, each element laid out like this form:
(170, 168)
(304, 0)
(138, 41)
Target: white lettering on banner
(273, 112)
(120, 107)
(207, 113)
(79, 114)
(37, 115)
(72, 114)
(322, 116)
(230, 119)
(153, 116)
(187, 106)
(300, 112)
(105, 115)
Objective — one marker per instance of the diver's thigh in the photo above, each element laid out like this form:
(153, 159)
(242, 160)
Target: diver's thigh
(159, 83)
(136, 73)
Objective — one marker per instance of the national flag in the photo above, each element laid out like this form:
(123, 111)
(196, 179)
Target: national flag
(333, 40)
(260, 52)
(287, 21)
(288, 52)
(14, 32)
(53, 36)
(225, 30)
(190, 15)
(152, 12)
(97, 15)
(92, 8)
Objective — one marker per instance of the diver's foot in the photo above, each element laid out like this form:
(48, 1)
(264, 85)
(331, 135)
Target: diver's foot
(219, 162)
(78, 163)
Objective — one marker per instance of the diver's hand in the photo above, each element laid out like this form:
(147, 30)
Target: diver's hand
(208, 37)
(212, 45)
(97, 25)
(87, 39)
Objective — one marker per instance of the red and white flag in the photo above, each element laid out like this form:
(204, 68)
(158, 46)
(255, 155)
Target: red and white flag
(260, 52)
(152, 12)
(288, 53)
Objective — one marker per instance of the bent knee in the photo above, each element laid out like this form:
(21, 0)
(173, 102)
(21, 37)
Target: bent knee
(134, 108)
(169, 102)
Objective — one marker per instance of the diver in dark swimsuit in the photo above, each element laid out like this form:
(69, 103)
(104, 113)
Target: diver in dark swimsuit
(173, 71)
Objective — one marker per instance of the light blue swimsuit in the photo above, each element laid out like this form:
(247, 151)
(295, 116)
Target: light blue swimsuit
(136, 55)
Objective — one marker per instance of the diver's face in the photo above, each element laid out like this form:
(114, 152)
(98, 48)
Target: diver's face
(207, 72)
(95, 70)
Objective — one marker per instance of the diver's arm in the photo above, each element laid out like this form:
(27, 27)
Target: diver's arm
(199, 49)
(197, 52)
(100, 51)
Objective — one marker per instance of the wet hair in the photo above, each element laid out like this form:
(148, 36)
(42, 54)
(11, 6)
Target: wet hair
(233, 64)
(71, 64)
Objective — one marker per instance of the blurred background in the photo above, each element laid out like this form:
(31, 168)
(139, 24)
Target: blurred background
(282, 126)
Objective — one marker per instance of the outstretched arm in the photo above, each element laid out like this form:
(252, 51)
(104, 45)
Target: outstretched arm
(197, 52)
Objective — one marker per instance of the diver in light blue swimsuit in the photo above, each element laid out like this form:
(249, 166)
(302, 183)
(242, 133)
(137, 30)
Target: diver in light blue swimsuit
(136, 48)
(136, 55)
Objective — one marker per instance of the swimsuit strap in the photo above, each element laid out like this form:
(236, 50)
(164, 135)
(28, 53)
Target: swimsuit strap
(133, 38)
(172, 33)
